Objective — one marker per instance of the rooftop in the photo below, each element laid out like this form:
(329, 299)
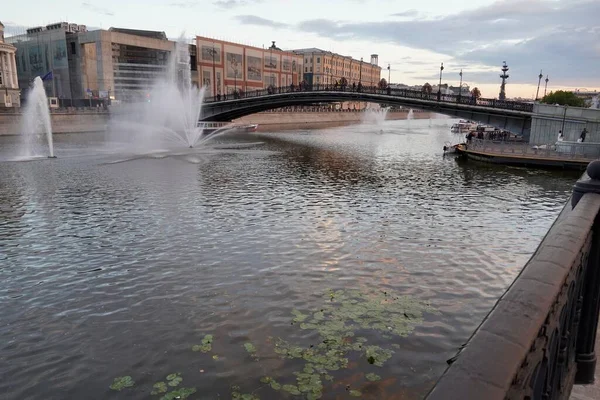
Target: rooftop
(137, 32)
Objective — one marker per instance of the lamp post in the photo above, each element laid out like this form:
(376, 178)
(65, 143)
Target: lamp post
(460, 86)
(234, 64)
(389, 73)
(540, 76)
(546, 86)
(360, 72)
(213, 52)
(440, 84)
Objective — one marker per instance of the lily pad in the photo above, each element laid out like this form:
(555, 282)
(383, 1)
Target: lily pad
(292, 389)
(250, 348)
(181, 393)
(121, 383)
(159, 387)
(206, 345)
(372, 377)
(355, 393)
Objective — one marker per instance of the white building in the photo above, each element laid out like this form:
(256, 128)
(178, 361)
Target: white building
(9, 84)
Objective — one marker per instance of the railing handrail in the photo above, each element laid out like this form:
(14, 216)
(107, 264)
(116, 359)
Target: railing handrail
(538, 340)
(391, 92)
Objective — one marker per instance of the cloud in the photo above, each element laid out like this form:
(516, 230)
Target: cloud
(259, 21)
(184, 4)
(406, 14)
(558, 36)
(228, 4)
(98, 10)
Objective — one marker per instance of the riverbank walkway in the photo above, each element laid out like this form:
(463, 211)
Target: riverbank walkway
(527, 155)
(589, 392)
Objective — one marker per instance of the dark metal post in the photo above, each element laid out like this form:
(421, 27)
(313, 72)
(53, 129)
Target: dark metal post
(546, 87)
(389, 74)
(588, 325)
(562, 130)
(360, 72)
(213, 51)
(460, 87)
(440, 84)
(540, 76)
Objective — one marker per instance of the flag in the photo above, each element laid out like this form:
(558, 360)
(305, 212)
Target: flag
(48, 77)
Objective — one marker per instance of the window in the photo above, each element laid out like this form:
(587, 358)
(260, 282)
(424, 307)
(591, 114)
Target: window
(318, 60)
(1, 81)
(310, 69)
(73, 48)
(306, 61)
(305, 69)
(318, 79)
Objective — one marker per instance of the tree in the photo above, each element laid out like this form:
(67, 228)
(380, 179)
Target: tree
(427, 88)
(476, 92)
(382, 84)
(343, 81)
(563, 98)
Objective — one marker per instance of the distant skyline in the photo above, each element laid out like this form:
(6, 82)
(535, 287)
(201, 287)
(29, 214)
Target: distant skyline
(559, 37)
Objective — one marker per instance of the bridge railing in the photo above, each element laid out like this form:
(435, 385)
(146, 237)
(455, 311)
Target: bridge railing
(402, 93)
(538, 340)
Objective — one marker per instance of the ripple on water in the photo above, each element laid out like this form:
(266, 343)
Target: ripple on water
(115, 265)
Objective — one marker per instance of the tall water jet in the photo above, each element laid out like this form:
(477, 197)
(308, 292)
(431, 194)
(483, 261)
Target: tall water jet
(375, 116)
(411, 115)
(172, 110)
(35, 123)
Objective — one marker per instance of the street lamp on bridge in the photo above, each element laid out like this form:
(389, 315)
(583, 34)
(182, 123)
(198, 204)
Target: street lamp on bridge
(360, 72)
(546, 86)
(440, 84)
(540, 76)
(460, 85)
(389, 74)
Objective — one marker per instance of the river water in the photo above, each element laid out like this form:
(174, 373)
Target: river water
(116, 265)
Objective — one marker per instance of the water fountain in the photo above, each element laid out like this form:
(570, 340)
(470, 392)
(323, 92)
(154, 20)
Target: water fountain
(375, 116)
(171, 112)
(411, 115)
(35, 123)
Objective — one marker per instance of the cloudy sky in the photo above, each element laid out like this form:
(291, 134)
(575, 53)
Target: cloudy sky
(560, 37)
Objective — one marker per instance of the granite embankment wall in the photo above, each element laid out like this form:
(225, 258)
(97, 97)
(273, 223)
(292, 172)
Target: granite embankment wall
(61, 122)
(92, 121)
(276, 121)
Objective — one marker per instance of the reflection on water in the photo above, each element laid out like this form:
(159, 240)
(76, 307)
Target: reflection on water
(113, 269)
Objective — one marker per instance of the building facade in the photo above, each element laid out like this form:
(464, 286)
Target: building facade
(9, 84)
(325, 67)
(224, 67)
(121, 64)
(42, 51)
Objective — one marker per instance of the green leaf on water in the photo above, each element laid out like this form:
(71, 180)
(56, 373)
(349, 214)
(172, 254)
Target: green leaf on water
(215, 357)
(372, 377)
(122, 382)
(159, 387)
(275, 386)
(206, 345)
(355, 393)
(181, 393)
(250, 348)
(292, 389)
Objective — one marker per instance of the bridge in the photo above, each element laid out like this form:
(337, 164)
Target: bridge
(540, 338)
(512, 116)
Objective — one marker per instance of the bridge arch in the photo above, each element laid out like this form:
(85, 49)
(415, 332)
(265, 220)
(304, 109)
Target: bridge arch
(511, 116)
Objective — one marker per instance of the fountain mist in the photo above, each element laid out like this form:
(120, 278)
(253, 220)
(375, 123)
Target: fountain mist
(35, 122)
(172, 110)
